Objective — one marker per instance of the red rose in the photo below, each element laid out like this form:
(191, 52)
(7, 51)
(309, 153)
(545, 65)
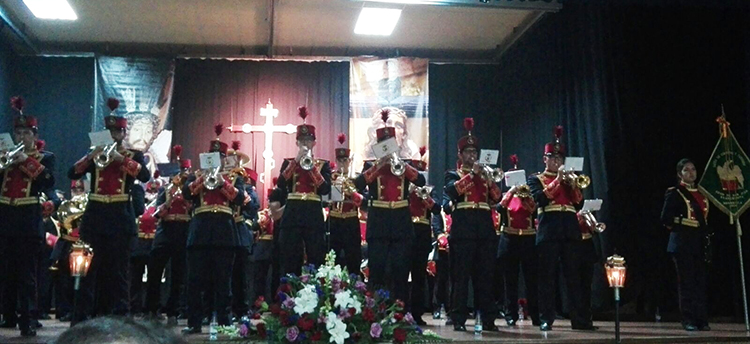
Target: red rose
(382, 307)
(322, 281)
(285, 288)
(399, 335)
(275, 309)
(306, 324)
(357, 336)
(261, 327)
(344, 285)
(368, 315)
(256, 316)
(283, 318)
(352, 311)
(368, 293)
(400, 304)
(398, 316)
(316, 336)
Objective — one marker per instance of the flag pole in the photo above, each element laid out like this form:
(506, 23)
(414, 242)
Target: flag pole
(742, 271)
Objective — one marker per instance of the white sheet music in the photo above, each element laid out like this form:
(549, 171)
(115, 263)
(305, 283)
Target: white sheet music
(488, 156)
(100, 138)
(574, 164)
(6, 142)
(592, 205)
(385, 148)
(515, 178)
(210, 160)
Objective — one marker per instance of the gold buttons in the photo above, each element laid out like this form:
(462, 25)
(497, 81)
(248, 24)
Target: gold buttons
(118, 190)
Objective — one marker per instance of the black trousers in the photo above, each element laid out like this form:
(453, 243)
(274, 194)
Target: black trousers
(260, 279)
(209, 271)
(389, 265)
(346, 242)
(240, 304)
(44, 282)
(525, 261)
(104, 290)
(442, 281)
(474, 259)
(63, 285)
(19, 257)
(295, 243)
(580, 310)
(551, 255)
(174, 254)
(137, 269)
(691, 285)
(420, 251)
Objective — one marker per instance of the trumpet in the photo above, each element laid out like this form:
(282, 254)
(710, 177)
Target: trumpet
(591, 222)
(105, 158)
(397, 165)
(306, 161)
(580, 181)
(423, 192)
(9, 158)
(523, 191)
(213, 179)
(494, 174)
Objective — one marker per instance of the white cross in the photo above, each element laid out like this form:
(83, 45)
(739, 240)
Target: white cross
(268, 129)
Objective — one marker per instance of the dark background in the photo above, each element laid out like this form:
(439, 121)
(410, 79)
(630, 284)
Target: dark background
(636, 84)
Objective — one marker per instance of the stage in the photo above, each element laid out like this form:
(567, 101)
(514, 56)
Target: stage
(631, 332)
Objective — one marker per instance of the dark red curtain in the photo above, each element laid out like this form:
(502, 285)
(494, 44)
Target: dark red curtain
(207, 92)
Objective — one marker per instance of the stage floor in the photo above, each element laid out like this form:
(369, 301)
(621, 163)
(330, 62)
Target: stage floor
(631, 332)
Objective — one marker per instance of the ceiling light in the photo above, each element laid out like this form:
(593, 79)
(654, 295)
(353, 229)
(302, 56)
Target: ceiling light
(51, 9)
(377, 21)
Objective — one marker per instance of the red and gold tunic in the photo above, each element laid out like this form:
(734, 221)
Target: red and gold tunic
(518, 215)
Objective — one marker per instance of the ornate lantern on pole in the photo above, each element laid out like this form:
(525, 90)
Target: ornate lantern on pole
(616, 272)
(80, 260)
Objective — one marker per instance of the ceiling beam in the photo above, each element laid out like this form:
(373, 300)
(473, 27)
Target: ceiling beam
(518, 31)
(535, 5)
(271, 26)
(18, 31)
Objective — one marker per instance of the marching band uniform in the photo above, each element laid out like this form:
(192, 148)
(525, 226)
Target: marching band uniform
(442, 266)
(422, 211)
(557, 234)
(211, 242)
(684, 213)
(586, 257)
(473, 240)
(517, 250)
(302, 227)
(143, 242)
(389, 228)
(245, 218)
(344, 218)
(108, 225)
(21, 233)
(173, 212)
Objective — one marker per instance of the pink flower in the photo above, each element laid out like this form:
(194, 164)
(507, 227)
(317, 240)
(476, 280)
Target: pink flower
(369, 302)
(244, 330)
(288, 303)
(292, 333)
(360, 286)
(375, 330)
(304, 278)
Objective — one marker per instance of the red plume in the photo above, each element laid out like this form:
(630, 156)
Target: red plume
(333, 165)
(275, 180)
(422, 150)
(303, 112)
(342, 138)
(514, 159)
(40, 145)
(558, 131)
(236, 145)
(157, 174)
(17, 103)
(384, 114)
(218, 128)
(468, 123)
(177, 150)
(113, 103)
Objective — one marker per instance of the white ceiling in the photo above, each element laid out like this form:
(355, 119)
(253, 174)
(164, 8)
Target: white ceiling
(234, 27)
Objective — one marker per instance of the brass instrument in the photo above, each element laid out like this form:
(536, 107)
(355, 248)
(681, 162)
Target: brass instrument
(523, 191)
(592, 223)
(493, 174)
(69, 216)
(9, 158)
(105, 158)
(580, 181)
(398, 167)
(423, 192)
(213, 179)
(176, 182)
(306, 161)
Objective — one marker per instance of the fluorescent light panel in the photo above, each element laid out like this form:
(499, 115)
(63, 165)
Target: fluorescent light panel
(51, 9)
(377, 21)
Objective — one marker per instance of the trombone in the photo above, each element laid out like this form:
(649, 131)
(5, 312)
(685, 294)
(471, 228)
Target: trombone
(9, 158)
(105, 158)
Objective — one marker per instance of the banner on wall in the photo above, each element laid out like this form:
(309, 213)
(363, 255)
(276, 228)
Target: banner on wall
(400, 84)
(144, 88)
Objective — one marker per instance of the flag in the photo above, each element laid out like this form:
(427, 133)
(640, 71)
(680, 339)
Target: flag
(727, 172)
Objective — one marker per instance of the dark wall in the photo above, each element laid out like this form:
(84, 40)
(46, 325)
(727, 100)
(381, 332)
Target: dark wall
(59, 91)
(5, 56)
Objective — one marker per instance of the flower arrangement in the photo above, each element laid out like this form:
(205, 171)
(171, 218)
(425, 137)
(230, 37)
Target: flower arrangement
(327, 305)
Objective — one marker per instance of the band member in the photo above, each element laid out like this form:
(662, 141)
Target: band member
(144, 206)
(422, 207)
(586, 257)
(212, 238)
(389, 228)
(276, 206)
(557, 233)
(26, 175)
(473, 238)
(517, 249)
(173, 212)
(441, 295)
(344, 214)
(684, 214)
(108, 223)
(304, 180)
(69, 215)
